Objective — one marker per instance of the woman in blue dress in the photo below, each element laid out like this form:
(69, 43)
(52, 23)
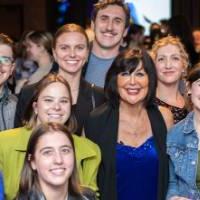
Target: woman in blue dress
(131, 131)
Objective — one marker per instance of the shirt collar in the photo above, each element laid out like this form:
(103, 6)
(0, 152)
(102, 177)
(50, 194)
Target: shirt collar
(189, 123)
(82, 148)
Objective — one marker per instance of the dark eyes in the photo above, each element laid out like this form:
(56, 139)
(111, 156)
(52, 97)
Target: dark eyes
(175, 58)
(125, 74)
(51, 151)
(48, 100)
(160, 59)
(140, 74)
(78, 47)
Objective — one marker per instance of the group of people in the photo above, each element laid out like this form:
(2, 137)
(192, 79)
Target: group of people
(67, 138)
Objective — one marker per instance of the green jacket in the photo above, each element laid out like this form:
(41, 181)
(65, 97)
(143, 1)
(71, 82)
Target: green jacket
(13, 145)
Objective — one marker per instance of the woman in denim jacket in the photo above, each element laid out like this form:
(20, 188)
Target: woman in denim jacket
(183, 148)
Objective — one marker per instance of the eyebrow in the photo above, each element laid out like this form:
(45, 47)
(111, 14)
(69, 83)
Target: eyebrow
(53, 97)
(50, 148)
(175, 54)
(7, 57)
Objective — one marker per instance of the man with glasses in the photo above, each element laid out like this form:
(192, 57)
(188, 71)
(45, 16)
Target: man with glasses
(7, 100)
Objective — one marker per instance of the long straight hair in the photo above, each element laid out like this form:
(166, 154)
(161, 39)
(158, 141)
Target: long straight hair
(29, 187)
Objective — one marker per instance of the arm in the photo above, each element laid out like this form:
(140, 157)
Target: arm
(172, 188)
(173, 193)
(90, 168)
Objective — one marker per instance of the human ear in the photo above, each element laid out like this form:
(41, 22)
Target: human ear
(33, 166)
(35, 109)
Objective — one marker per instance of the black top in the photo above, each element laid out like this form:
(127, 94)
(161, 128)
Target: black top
(102, 128)
(89, 97)
(178, 113)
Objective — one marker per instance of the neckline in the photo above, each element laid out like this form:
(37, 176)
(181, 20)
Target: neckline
(135, 147)
(169, 105)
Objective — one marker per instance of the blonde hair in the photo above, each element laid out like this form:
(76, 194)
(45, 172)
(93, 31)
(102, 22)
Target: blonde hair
(173, 41)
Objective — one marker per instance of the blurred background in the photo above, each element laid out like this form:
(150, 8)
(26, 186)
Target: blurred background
(17, 16)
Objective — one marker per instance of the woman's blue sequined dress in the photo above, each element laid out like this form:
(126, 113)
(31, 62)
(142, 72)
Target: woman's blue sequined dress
(137, 171)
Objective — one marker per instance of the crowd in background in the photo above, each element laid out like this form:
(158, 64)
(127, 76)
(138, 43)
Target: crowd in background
(101, 113)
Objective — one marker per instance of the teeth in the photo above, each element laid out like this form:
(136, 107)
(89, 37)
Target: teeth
(108, 34)
(57, 171)
(133, 91)
(72, 61)
(54, 116)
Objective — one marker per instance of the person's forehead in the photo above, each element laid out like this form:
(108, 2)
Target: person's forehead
(112, 10)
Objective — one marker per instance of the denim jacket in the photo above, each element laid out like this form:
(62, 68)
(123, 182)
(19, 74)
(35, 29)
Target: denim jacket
(182, 148)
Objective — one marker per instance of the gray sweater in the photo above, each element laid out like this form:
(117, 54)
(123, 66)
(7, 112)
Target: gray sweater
(7, 109)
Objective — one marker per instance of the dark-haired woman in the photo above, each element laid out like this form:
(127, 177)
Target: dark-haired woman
(51, 102)
(49, 170)
(183, 147)
(131, 131)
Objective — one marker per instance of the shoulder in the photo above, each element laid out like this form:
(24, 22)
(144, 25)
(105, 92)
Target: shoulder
(91, 88)
(12, 98)
(10, 132)
(99, 116)
(28, 89)
(85, 144)
(101, 111)
(11, 136)
(81, 197)
(175, 134)
(167, 116)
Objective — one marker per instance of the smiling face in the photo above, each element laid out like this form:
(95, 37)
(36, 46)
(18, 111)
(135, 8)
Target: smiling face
(71, 52)
(53, 160)
(53, 104)
(133, 87)
(109, 27)
(6, 63)
(169, 64)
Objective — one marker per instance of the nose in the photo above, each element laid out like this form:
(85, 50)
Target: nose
(132, 79)
(72, 53)
(56, 106)
(168, 64)
(58, 158)
(109, 25)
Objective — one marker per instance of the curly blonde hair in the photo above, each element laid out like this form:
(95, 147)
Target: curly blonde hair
(173, 41)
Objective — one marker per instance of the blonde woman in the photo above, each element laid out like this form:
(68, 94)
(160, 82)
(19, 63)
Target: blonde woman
(171, 61)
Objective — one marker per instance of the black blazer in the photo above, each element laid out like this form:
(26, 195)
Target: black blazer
(102, 128)
(89, 97)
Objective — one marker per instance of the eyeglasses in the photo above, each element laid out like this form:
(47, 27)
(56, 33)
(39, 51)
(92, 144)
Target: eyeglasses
(6, 61)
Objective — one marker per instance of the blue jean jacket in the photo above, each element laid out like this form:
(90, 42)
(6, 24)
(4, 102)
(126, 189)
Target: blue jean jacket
(182, 148)
(1, 188)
